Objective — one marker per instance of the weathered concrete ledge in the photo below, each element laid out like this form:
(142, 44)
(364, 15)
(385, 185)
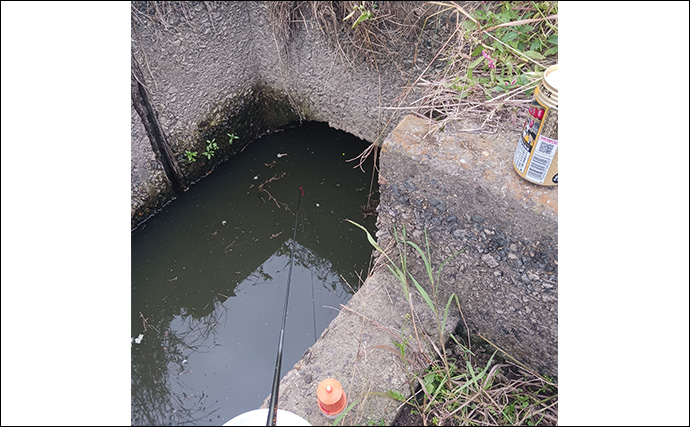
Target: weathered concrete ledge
(462, 190)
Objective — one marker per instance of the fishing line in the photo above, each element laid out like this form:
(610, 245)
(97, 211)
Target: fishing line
(273, 405)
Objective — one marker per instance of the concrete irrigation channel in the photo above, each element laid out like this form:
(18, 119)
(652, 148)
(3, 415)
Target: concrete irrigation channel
(202, 70)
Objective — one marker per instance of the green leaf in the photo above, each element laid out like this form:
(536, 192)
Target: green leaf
(534, 55)
(509, 37)
(476, 62)
(468, 24)
(423, 293)
(345, 411)
(429, 382)
(477, 50)
(536, 44)
(395, 395)
(392, 266)
(425, 258)
(363, 17)
(551, 51)
(522, 80)
(553, 39)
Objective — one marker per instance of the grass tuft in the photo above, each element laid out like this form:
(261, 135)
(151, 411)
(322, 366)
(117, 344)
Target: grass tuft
(462, 386)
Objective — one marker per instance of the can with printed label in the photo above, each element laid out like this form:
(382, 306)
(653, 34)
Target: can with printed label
(536, 155)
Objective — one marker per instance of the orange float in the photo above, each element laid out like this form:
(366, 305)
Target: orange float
(331, 397)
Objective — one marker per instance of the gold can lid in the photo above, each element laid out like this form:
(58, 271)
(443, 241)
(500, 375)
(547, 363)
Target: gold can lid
(547, 90)
(551, 77)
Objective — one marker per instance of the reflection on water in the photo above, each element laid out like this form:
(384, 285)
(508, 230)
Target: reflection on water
(209, 275)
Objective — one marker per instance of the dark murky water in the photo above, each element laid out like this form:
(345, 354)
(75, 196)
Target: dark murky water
(210, 271)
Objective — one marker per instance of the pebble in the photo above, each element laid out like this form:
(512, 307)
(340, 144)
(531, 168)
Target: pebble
(499, 238)
(513, 247)
(477, 218)
(410, 185)
(489, 260)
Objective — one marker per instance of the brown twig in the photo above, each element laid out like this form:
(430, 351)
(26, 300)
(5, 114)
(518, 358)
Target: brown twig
(270, 196)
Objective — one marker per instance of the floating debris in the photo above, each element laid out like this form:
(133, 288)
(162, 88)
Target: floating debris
(281, 155)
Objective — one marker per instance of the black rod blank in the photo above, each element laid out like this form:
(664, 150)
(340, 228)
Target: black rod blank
(273, 405)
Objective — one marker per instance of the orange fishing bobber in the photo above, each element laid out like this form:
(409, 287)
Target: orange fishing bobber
(331, 397)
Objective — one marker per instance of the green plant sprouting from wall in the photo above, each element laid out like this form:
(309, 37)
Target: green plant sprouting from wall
(211, 148)
(191, 155)
(364, 13)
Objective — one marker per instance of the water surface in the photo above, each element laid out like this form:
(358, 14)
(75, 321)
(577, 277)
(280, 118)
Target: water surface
(210, 271)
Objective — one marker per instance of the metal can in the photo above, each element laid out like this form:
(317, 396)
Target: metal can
(536, 155)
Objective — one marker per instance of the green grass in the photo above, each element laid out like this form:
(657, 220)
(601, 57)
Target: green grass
(491, 63)
(462, 385)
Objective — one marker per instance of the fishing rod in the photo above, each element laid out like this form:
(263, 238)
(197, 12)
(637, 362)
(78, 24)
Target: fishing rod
(273, 405)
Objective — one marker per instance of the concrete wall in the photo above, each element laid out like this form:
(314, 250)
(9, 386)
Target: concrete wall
(214, 67)
(462, 190)
(150, 186)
